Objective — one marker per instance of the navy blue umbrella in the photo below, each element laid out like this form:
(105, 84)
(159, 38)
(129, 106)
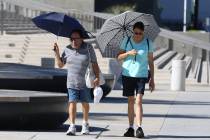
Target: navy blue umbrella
(58, 24)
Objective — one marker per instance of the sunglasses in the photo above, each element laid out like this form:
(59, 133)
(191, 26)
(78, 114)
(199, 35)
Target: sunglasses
(138, 33)
(74, 39)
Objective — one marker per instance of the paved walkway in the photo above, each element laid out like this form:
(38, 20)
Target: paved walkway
(167, 115)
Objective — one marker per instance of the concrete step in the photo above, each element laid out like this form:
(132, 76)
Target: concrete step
(194, 72)
(178, 56)
(159, 52)
(188, 60)
(164, 59)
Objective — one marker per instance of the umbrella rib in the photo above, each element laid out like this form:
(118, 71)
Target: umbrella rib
(111, 30)
(113, 37)
(130, 30)
(125, 18)
(126, 34)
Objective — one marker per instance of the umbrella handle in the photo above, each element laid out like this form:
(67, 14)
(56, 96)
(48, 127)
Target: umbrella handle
(92, 36)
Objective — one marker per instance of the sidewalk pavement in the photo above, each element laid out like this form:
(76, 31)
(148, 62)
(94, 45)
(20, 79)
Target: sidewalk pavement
(167, 115)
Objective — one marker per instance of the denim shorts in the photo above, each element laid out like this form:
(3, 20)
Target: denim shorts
(132, 85)
(82, 95)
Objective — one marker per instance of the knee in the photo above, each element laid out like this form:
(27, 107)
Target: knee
(85, 105)
(138, 101)
(131, 100)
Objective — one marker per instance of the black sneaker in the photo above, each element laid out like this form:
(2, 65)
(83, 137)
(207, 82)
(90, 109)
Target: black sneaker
(139, 133)
(129, 132)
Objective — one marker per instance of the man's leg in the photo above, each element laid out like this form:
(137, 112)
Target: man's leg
(130, 130)
(85, 109)
(72, 116)
(73, 97)
(139, 109)
(85, 99)
(72, 112)
(131, 110)
(139, 115)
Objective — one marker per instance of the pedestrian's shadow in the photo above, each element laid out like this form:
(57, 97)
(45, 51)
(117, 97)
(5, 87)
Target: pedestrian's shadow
(114, 100)
(62, 128)
(176, 137)
(92, 128)
(112, 136)
(162, 137)
(65, 127)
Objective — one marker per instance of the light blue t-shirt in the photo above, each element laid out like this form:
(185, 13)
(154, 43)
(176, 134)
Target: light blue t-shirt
(138, 68)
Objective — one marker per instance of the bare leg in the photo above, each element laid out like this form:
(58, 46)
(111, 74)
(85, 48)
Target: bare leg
(85, 109)
(72, 112)
(131, 110)
(139, 109)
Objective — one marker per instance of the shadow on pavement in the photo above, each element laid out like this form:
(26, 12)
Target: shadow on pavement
(122, 100)
(62, 128)
(177, 137)
(177, 116)
(113, 116)
(103, 115)
(115, 100)
(168, 102)
(111, 136)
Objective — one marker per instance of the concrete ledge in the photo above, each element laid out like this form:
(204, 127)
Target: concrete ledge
(23, 109)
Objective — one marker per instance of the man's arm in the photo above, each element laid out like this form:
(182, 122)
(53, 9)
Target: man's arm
(57, 56)
(122, 54)
(151, 67)
(96, 72)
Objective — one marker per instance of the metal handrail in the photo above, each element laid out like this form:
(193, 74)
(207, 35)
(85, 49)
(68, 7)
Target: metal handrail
(185, 39)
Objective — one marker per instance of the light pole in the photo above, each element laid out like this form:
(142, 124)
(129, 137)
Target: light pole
(185, 16)
(2, 17)
(208, 26)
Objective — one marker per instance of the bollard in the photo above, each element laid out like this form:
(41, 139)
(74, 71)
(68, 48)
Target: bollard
(178, 75)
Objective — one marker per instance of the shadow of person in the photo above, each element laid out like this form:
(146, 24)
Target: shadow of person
(178, 137)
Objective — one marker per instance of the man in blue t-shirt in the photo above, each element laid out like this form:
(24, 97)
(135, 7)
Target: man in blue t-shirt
(137, 54)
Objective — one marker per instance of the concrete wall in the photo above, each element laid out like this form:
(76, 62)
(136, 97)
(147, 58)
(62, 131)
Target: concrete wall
(82, 5)
(199, 35)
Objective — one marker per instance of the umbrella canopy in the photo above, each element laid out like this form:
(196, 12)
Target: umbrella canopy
(117, 27)
(58, 24)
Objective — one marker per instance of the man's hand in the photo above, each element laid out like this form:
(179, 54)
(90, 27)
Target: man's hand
(96, 82)
(132, 52)
(151, 85)
(56, 48)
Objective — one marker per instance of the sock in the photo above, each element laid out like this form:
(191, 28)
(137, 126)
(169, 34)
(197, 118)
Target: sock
(72, 125)
(84, 122)
(131, 126)
(138, 126)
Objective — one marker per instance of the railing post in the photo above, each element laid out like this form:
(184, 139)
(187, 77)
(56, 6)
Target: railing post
(195, 55)
(204, 55)
(170, 44)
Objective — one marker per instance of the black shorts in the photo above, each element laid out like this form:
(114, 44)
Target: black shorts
(132, 84)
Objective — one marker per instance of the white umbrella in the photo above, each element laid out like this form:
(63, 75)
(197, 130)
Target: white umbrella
(117, 27)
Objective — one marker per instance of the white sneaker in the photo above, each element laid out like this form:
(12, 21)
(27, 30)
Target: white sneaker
(71, 131)
(85, 129)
